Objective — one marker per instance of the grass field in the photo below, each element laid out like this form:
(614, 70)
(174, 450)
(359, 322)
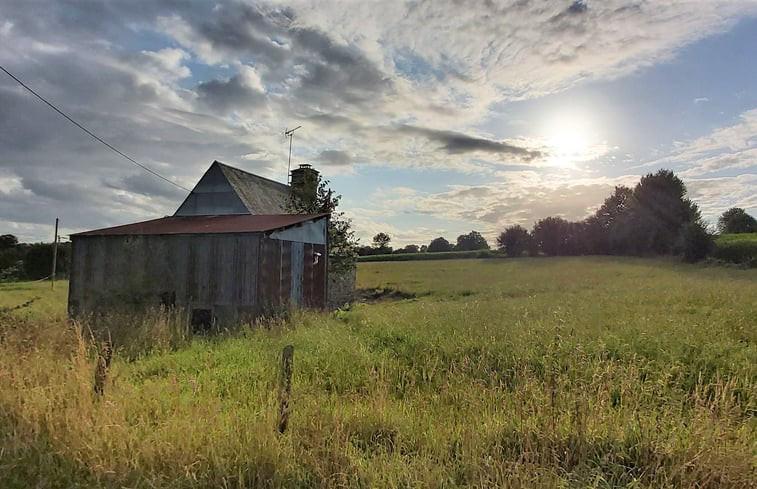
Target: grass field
(574, 372)
(736, 238)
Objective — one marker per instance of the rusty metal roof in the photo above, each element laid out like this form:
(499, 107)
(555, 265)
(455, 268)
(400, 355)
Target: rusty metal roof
(236, 223)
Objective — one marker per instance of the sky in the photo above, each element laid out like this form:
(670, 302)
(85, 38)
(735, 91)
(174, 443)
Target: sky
(430, 118)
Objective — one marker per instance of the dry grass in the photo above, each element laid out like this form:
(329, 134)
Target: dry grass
(513, 373)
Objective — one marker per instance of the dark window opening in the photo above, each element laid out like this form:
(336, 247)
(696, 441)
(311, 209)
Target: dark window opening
(168, 299)
(202, 320)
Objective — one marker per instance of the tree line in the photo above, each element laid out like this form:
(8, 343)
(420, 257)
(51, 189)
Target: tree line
(465, 242)
(31, 261)
(656, 217)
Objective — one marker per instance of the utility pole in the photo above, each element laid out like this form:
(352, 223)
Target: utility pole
(290, 134)
(55, 255)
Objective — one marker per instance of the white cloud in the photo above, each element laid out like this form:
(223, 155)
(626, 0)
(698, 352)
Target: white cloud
(732, 147)
(521, 198)
(716, 195)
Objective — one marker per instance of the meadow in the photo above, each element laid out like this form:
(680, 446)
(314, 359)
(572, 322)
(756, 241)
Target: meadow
(534, 372)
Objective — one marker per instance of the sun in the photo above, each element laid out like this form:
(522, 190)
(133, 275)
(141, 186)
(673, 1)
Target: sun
(569, 139)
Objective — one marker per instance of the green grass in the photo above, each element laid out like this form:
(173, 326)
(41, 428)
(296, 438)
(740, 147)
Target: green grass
(736, 238)
(46, 302)
(564, 372)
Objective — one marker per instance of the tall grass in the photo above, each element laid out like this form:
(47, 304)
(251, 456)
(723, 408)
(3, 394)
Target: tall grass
(513, 373)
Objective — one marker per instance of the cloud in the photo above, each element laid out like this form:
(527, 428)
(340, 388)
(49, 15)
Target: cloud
(232, 94)
(732, 147)
(716, 195)
(147, 185)
(334, 157)
(411, 88)
(701, 100)
(518, 198)
(457, 143)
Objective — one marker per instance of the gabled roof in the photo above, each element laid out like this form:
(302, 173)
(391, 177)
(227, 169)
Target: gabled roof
(260, 195)
(240, 223)
(227, 190)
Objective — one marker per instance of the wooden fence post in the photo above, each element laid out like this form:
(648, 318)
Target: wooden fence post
(103, 365)
(285, 387)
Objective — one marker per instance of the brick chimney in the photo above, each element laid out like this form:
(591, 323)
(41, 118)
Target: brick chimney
(304, 184)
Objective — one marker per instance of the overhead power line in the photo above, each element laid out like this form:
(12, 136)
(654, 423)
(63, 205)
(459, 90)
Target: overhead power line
(96, 137)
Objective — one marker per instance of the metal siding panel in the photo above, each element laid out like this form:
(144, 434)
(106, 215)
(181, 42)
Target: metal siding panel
(307, 284)
(203, 269)
(238, 269)
(180, 249)
(98, 264)
(247, 253)
(307, 232)
(217, 273)
(193, 279)
(298, 264)
(319, 277)
(285, 272)
(77, 285)
(254, 257)
(213, 195)
(233, 271)
(113, 254)
(135, 263)
(268, 278)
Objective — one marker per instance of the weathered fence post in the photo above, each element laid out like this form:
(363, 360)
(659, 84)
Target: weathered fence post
(285, 386)
(103, 365)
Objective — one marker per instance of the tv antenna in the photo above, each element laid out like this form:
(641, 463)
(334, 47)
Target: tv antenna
(289, 133)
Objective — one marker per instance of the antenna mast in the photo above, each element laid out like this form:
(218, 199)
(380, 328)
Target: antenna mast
(289, 133)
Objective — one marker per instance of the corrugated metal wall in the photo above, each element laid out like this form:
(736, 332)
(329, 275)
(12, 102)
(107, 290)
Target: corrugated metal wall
(230, 274)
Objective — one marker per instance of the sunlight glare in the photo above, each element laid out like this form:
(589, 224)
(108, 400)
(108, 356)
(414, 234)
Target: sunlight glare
(569, 139)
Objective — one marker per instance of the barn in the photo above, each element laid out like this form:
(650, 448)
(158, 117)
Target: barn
(223, 256)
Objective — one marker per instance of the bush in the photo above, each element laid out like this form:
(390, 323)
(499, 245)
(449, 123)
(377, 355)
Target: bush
(697, 243)
(741, 248)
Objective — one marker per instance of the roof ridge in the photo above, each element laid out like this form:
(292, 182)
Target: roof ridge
(224, 166)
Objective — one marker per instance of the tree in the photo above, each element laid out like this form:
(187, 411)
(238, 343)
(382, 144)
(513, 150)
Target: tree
(342, 243)
(11, 257)
(411, 248)
(697, 242)
(381, 242)
(734, 220)
(8, 241)
(656, 215)
(514, 240)
(551, 235)
(471, 241)
(439, 244)
(38, 260)
(366, 251)
(600, 229)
